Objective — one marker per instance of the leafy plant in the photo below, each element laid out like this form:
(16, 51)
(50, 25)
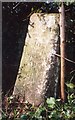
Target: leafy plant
(53, 109)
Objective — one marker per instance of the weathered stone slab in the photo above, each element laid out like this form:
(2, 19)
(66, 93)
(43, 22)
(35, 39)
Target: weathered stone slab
(38, 72)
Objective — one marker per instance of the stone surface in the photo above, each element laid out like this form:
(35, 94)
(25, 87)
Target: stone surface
(39, 68)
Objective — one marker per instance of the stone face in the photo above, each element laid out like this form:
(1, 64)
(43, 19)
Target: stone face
(39, 68)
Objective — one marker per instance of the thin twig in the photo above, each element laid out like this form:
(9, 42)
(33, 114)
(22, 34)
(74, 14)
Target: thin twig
(65, 58)
(72, 71)
(16, 6)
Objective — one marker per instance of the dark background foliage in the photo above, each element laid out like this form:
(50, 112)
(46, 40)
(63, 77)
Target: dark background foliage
(15, 19)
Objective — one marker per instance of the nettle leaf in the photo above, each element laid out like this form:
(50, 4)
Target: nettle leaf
(54, 115)
(72, 96)
(39, 111)
(68, 114)
(70, 85)
(51, 102)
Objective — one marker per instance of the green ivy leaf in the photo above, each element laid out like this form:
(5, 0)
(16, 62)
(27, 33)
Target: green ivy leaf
(24, 117)
(51, 102)
(32, 9)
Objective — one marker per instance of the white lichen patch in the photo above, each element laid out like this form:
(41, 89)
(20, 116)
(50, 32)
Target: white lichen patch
(38, 57)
